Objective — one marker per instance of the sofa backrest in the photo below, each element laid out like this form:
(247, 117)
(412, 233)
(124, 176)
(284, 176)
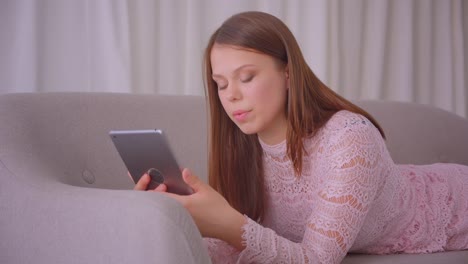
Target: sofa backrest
(421, 134)
(65, 135)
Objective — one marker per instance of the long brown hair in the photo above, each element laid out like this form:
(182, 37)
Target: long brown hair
(235, 159)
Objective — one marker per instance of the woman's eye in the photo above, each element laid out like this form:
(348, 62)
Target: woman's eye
(247, 79)
(221, 86)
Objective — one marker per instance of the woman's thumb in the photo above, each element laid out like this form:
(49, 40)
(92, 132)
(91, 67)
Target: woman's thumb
(191, 179)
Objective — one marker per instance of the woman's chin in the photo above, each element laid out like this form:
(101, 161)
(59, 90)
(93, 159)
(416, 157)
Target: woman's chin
(247, 130)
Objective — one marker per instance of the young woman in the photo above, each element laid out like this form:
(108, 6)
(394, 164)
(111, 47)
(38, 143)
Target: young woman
(297, 173)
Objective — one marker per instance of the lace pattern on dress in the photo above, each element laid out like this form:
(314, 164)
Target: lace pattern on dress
(351, 197)
(347, 164)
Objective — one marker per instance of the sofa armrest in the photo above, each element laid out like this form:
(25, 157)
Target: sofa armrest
(59, 223)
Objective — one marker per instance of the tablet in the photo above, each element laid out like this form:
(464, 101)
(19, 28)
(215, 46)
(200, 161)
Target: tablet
(148, 151)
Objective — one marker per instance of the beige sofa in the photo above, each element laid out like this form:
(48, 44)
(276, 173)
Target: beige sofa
(64, 193)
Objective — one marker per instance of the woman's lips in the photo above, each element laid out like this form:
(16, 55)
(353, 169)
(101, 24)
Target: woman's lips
(240, 115)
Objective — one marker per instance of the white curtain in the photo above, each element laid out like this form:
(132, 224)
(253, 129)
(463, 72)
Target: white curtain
(400, 50)
(405, 50)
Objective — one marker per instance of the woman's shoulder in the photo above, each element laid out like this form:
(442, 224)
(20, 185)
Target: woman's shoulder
(343, 126)
(345, 120)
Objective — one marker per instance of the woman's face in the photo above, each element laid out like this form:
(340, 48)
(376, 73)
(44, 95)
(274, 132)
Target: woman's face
(252, 88)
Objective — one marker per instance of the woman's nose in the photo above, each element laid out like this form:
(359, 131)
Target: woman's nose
(233, 93)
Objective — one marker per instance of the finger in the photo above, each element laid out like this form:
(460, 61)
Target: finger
(142, 184)
(161, 188)
(193, 181)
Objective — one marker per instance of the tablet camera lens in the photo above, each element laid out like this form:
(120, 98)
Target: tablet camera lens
(156, 175)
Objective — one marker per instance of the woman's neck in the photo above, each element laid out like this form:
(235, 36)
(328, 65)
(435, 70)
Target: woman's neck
(273, 136)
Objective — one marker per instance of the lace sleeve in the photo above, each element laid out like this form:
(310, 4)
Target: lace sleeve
(350, 162)
(220, 251)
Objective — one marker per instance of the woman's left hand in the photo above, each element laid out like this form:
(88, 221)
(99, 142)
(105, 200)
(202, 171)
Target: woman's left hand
(212, 213)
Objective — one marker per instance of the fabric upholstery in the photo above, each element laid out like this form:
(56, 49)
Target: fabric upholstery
(64, 192)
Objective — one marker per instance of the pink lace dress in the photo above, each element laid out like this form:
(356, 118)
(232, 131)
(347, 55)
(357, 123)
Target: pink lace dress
(351, 197)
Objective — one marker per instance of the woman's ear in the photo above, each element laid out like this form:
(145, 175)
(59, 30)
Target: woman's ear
(286, 72)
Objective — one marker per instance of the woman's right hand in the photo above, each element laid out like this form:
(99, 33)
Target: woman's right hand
(142, 184)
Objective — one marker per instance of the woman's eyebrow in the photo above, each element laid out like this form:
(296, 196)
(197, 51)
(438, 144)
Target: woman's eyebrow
(214, 75)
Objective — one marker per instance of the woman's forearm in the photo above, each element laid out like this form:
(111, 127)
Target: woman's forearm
(233, 230)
